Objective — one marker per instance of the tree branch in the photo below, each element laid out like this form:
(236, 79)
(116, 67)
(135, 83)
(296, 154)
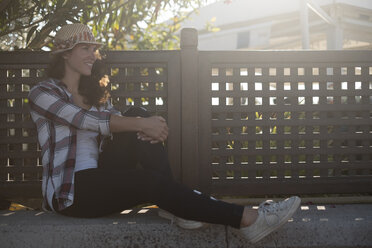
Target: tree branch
(19, 16)
(4, 4)
(22, 27)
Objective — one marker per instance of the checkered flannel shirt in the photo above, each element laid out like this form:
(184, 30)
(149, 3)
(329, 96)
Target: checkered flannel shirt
(57, 120)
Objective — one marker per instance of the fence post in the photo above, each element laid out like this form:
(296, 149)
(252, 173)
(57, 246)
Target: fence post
(189, 107)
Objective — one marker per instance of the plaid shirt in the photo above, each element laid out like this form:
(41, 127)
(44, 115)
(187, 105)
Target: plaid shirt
(57, 120)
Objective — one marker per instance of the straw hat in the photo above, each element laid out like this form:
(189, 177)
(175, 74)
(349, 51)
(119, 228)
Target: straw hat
(70, 35)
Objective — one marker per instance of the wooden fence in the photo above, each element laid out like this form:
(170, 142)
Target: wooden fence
(241, 122)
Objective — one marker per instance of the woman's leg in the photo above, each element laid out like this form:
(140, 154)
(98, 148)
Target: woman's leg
(125, 151)
(100, 192)
(127, 187)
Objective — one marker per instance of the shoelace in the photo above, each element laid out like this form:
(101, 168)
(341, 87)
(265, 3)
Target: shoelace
(271, 207)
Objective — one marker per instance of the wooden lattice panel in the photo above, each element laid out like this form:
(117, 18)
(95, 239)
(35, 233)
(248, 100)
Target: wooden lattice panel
(290, 121)
(20, 154)
(142, 86)
(134, 81)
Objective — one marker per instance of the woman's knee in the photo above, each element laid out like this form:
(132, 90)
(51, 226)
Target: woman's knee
(135, 111)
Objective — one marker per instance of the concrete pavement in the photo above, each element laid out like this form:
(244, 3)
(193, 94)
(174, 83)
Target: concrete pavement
(312, 226)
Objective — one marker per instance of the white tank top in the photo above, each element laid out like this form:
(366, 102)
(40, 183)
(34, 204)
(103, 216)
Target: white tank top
(86, 149)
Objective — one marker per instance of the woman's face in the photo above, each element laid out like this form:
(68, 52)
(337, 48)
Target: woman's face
(81, 58)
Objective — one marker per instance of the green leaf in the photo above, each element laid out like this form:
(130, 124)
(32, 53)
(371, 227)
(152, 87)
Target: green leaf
(30, 33)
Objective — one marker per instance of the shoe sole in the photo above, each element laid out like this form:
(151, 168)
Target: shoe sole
(269, 230)
(181, 223)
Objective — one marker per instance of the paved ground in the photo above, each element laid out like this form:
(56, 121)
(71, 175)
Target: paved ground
(312, 226)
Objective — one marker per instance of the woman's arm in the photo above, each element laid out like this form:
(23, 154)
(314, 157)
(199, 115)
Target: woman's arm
(47, 101)
(155, 127)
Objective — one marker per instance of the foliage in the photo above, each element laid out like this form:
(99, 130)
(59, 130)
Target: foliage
(119, 24)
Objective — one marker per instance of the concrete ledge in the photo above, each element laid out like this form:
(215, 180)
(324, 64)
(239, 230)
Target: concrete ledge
(312, 226)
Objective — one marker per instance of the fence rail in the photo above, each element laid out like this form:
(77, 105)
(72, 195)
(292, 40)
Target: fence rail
(242, 122)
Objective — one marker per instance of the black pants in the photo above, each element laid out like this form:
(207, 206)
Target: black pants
(118, 184)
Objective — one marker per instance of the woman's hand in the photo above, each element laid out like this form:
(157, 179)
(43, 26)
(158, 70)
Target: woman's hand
(143, 137)
(153, 129)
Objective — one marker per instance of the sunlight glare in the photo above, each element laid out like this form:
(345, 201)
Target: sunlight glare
(126, 211)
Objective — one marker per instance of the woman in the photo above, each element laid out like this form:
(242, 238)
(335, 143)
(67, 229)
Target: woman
(90, 151)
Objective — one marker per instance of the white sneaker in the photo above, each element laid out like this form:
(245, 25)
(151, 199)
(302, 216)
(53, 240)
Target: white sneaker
(271, 216)
(185, 224)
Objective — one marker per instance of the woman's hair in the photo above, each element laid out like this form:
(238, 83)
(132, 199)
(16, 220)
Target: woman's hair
(93, 88)
(56, 68)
